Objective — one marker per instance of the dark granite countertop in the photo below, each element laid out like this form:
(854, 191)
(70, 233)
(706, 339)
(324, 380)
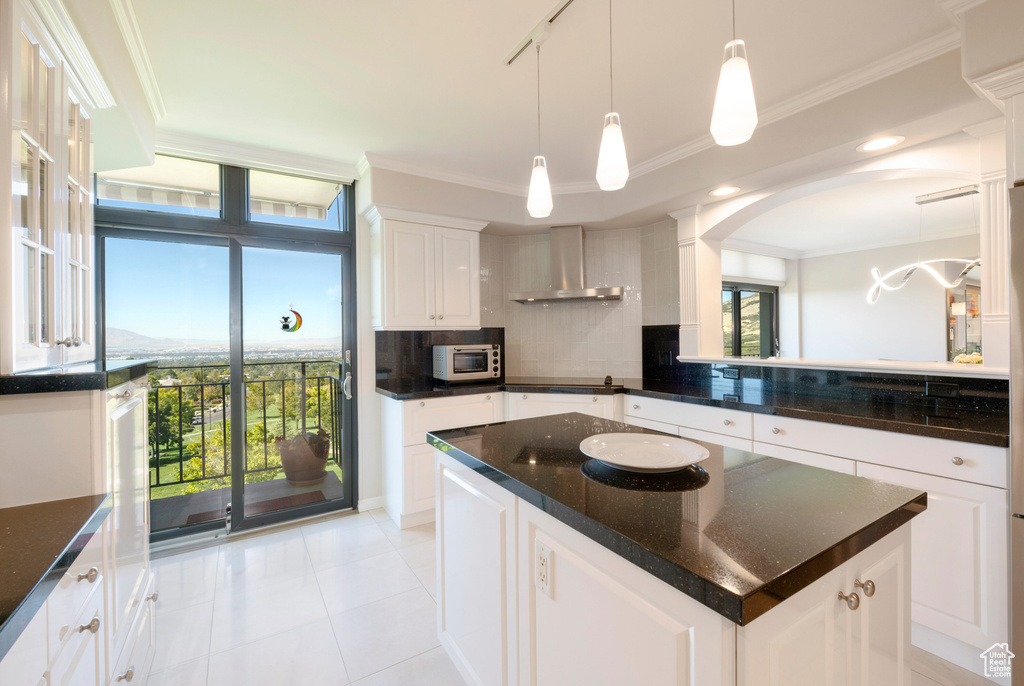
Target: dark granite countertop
(91, 376)
(741, 534)
(986, 428)
(38, 543)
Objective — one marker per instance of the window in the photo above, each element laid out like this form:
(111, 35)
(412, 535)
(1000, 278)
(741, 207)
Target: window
(295, 201)
(172, 184)
(750, 320)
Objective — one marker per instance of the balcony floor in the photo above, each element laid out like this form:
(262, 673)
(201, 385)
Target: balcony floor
(266, 496)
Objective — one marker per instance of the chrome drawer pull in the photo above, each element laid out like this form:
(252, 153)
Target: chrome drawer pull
(852, 600)
(422, 404)
(776, 430)
(958, 461)
(595, 398)
(727, 422)
(128, 675)
(440, 316)
(636, 407)
(92, 627)
(153, 596)
(90, 576)
(868, 586)
(488, 397)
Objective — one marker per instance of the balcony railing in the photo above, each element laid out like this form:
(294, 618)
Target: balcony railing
(190, 418)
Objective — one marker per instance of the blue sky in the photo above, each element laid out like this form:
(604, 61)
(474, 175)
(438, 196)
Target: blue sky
(175, 290)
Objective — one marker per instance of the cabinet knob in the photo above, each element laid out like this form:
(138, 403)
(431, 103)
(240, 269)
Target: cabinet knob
(66, 341)
(852, 600)
(636, 407)
(958, 461)
(776, 430)
(422, 404)
(440, 316)
(524, 396)
(153, 596)
(595, 399)
(128, 674)
(92, 627)
(431, 316)
(76, 341)
(728, 422)
(90, 576)
(488, 397)
(868, 587)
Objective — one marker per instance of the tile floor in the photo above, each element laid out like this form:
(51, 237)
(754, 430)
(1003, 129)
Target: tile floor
(343, 600)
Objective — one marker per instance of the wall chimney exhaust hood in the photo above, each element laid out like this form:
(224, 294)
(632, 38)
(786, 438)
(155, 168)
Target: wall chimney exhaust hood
(567, 272)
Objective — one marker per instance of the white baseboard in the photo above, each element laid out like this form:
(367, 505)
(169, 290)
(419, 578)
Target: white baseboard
(955, 654)
(367, 504)
(417, 518)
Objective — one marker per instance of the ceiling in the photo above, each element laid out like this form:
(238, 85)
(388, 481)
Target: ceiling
(425, 84)
(862, 216)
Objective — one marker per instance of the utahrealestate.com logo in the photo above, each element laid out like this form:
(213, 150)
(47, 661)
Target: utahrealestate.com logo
(997, 661)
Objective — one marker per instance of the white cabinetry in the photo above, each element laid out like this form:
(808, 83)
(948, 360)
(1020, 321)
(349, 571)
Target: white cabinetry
(731, 428)
(409, 461)
(817, 638)
(527, 405)
(46, 316)
(426, 274)
(476, 562)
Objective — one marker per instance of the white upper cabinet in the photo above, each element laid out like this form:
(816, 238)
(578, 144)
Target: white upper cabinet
(46, 309)
(426, 274)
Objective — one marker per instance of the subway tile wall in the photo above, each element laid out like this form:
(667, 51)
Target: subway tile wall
(571, 339)
(659, 258)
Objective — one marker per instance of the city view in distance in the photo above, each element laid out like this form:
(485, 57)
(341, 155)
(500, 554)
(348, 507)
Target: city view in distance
(122, 344)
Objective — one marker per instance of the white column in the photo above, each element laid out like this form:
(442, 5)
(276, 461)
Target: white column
(700, 288)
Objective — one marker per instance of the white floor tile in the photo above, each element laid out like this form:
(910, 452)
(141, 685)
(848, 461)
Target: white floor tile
(432, 668)
(191, 673)
(379, 635)
(918, 679)
(186, 579)
(403, 538)
(244, 614)
(380, 515)
(307, 655)
(258, 560)
(365, 581)
(420, 554)
(330, 546)
(427, 575)
(183, 635)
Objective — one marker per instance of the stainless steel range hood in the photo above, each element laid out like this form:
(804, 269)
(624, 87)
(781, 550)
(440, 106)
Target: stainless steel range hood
(567, 272)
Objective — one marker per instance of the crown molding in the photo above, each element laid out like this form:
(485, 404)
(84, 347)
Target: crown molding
(251, 156)
(956, 233)
(375, 212)
(1003, 83)
(363, 167)
(986, 128)
(124, 14)
(55, 18)
(377, 161)
(752, 248)
(956, 8)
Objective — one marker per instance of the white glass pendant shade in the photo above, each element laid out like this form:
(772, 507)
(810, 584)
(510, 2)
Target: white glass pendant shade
(538, 202)
(734, 117)
(612, 167)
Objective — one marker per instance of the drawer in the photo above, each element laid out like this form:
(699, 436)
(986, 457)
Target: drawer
(829, 462)
(651, 424)
(79, 662)
(137, 655)
(971, 462)
(529, 405)
(719, 439)
(653, 409)
(703, 418)
(74, 589)
(436, 414)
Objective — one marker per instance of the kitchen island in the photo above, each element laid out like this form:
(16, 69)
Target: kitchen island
(553, 568)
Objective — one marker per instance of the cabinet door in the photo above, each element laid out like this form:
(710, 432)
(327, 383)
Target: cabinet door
(958, 551)
(879, 639)
(26, 661)
(527, 405)
(437, 414)
(80, 662)
(408, 275)
(476, 572)
(78, 319)
(457, 274)
(129, 483)
(835, 464)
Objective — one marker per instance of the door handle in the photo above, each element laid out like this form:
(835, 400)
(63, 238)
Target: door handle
(347, 386)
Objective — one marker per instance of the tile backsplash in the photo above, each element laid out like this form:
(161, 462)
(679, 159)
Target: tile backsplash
(659, 259)
(566, 339)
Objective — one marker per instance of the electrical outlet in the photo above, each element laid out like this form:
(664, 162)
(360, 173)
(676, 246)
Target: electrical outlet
(542, 567)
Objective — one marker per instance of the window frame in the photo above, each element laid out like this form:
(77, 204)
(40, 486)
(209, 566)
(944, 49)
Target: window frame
(735, 287)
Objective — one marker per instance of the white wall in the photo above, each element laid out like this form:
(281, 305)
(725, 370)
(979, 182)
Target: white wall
(837, 323)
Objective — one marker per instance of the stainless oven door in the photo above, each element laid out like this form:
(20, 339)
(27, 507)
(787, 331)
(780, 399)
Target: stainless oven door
(470, 362)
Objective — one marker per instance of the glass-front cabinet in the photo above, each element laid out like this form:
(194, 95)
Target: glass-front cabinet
(47, 305)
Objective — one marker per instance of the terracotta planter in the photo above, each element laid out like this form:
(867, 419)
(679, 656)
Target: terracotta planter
(304, 458)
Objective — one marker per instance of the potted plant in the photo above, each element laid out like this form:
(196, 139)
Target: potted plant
(304, 457)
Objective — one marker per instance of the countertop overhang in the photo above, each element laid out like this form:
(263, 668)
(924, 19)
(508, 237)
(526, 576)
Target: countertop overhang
(741, 534)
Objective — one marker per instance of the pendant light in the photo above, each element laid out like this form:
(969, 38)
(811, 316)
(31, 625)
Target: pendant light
(538, 202)
(734, 116)
(612, 167)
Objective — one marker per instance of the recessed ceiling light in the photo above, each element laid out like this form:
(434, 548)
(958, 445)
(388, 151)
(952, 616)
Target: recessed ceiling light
(723, 191)
(880, 143)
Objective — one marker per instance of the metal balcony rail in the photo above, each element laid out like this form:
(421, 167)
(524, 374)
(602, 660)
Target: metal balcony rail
(189, 436)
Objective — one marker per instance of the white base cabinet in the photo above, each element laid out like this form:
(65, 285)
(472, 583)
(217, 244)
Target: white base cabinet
(524, 598)
(529, 405)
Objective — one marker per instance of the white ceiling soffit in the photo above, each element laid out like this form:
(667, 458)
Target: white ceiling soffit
(124, 14)
(336, 80)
